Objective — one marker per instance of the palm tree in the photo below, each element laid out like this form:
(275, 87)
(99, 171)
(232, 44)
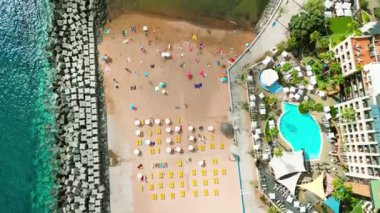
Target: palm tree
(277, 151)
(315, 36)
(273, 209)
(323, 43)
(348, 114)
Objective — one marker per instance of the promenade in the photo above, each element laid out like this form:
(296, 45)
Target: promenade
(273, 33)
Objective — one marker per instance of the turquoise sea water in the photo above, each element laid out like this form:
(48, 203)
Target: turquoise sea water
(301, 131)
(26, 118)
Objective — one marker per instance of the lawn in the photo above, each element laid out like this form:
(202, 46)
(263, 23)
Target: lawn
(338, 28)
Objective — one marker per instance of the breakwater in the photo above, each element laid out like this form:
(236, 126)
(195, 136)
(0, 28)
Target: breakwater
(81, 142)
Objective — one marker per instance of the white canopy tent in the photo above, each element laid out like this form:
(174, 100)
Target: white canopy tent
(267, 61)
(290, 182)
(288, 163)
(268, 77)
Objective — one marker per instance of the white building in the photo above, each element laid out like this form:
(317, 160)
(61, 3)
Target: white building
(362, 135)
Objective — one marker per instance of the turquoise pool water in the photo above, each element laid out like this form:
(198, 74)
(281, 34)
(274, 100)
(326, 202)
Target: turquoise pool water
(300, 131)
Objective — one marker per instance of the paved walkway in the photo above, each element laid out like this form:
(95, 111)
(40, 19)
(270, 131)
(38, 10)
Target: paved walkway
(265, 41)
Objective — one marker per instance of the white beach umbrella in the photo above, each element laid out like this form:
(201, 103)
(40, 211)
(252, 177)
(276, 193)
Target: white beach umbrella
(167, 54)
(163, 54)
(191, 138)
(147, 142)
(137, 151)
(148, 122)
(137, 122)
(168, 140)
(210, 128)
(168, 130)
(272, 196)
(178, 149)
(190, 128)
(139, 175)
(169, 150)
(145, 28)
(138, 133)
(157, 121)
(177, 128)
(202, 163)
(168, 121)
(190, 147)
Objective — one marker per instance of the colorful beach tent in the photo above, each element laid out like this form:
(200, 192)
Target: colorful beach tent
(316, 186)
(333, 204)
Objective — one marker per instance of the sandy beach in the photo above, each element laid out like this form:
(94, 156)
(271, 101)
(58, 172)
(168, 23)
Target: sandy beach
(132, 77)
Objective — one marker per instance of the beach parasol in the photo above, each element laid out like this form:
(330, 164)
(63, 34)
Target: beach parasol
(138, 133)
(139, 176)
(162, 85)
(177, 129)
(148, 122)
(137, 122)
(202, 163)
(147, 142)
(191, 138)
(169, 150)
(145, 28)
(167, 54)
(132, 107)
(210, 128)
(224, 79)
(168, 121)
(190, 128)
(178, 149)
(189, 75)
(168, 140)
(137, 152)
(201, 73)
(168, 130)
(163, 54)
(190, 147)
(157, 121)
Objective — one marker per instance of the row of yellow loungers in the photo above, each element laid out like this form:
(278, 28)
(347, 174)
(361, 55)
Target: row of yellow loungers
(170, 174)
(171, 185)
(157, 150)
(172, 195)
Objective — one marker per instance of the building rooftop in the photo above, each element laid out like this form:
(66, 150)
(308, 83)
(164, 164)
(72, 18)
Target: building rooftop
(361, 50)
(359, 189)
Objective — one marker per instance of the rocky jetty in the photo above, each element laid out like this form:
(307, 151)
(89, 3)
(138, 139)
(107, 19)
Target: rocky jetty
(82, 179)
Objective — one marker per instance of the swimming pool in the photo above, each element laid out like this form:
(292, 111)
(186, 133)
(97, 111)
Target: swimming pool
(300, 131)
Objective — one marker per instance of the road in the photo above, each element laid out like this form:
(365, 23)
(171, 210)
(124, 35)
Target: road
(271, 35)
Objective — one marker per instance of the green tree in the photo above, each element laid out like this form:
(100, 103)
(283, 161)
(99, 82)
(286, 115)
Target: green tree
(273, 209)
(312, 5)
(343, 193)
(323, 43)
(244, 105)
(318, 107)
(364, 4)
(315, 36)
(277, 151)
(273, 132)
(334, 68)
(326, 57)
(348, 114)
(292, 43)
(339, 79)
(304, 23)
(377, 13)
(354, 27)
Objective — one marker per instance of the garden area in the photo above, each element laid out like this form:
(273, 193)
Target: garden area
(338, 28)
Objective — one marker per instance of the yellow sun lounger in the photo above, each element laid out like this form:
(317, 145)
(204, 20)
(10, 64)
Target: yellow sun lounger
(159, 141)
(195, 193)
(212, 146)
(178, 120)
(152, 151)
(162, 196)
(181, 184)
(180, 174)
(142, 187)
(224, 171)
(154, 196)
(216, 192)
(142, 122)
(160, 185)
(150, 133)
(221, 146)
(204, 172)
(205, 182)
(178, 139)
(158, 150)
(151, 187)
(202, 148)
(214, 161)
(160, 175)
(216, 180)
(158, 131)
(182, 193)
(215, 172)
(179, 163)
(170, 174)
(171, 185)
(194, 172)
(172, 195)
(194, 183)
(138, 142)
(205, 192)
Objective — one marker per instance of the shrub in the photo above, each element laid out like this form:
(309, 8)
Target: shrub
(376, 11)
